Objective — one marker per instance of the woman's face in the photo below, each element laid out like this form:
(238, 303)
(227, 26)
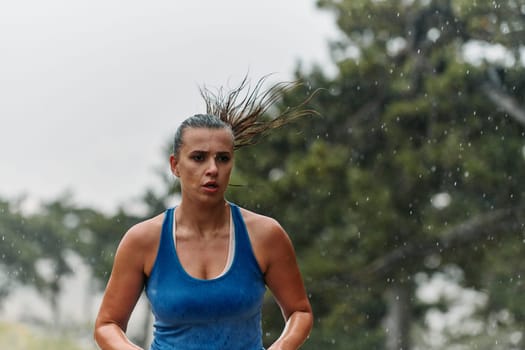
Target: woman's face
(204, 163)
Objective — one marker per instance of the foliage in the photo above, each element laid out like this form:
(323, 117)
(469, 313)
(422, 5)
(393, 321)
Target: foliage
(31, 241)
(411, 167)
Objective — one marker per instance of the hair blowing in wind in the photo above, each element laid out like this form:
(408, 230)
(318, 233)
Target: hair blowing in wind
(246, 108)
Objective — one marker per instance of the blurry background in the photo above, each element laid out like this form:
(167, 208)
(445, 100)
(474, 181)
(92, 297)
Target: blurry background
(404, 199)
(92, 91)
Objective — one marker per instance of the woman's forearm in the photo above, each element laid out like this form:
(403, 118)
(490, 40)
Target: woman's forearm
(296, 331)
(111, 337)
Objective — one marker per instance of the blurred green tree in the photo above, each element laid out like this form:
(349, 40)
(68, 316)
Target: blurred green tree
(37, 248)
(34, 248)
(415, 165)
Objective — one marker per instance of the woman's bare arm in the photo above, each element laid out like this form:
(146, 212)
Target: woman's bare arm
(276, 255)
(123, 290)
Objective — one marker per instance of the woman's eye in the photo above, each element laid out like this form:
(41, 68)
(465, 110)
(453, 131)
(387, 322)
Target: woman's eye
(198, 157)
(223, 159)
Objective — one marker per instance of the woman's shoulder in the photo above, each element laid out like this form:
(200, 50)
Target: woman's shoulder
(269, 240)
(140, 243)
(252, 218)
(145, 233)
(262, 228)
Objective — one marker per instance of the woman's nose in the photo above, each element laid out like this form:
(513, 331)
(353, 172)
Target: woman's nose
(212, 167)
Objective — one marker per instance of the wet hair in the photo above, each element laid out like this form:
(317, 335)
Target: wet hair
(243, 111)
(206, 121)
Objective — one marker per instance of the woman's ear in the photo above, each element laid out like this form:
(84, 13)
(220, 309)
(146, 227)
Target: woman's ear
(173, 165)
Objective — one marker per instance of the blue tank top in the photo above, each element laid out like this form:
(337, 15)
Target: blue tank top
(213, 314)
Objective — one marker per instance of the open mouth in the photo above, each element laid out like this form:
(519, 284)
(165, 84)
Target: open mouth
(211, 185)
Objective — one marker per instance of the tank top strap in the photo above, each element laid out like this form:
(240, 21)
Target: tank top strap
(243, 246)
(166, 246)
(241, 232)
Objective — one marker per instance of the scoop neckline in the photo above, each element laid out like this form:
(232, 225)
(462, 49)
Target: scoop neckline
(230, 259)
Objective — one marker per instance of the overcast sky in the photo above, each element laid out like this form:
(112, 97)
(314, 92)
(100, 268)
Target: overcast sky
(91, 91)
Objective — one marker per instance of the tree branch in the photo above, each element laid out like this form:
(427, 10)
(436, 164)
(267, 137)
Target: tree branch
(466, 232)
(505, 102)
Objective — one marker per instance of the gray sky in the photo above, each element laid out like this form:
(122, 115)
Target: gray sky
(91, 91)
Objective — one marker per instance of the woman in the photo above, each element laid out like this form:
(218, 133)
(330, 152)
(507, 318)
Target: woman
(206, 263)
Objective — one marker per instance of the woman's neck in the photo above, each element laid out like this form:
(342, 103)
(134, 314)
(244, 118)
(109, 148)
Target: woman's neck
(203, 219)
